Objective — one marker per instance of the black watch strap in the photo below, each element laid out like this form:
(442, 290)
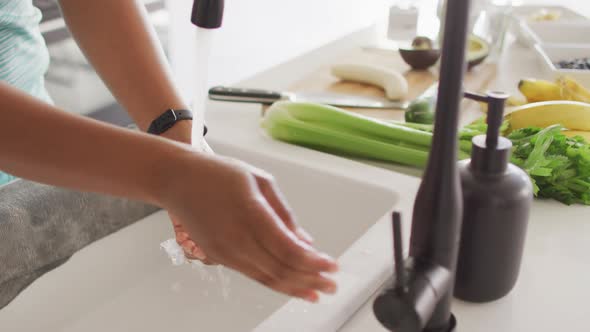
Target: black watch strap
(168, 119)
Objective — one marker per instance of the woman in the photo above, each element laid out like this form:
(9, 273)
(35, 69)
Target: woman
(233, 211)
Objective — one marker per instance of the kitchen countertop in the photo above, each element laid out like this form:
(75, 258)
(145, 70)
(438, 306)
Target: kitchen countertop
(258, 34)
(551, 292)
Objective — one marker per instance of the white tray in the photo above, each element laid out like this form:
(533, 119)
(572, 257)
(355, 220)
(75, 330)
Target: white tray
(549, 54)
(521, 16)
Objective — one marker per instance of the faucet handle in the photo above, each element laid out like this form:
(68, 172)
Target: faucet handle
(400, 273)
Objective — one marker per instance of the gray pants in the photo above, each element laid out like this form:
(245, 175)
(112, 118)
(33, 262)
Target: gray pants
(42, 226)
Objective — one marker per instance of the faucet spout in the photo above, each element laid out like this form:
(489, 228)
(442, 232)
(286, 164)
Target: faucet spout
(207, 14)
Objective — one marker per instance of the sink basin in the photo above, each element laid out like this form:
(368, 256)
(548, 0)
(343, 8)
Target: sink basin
(124, 282)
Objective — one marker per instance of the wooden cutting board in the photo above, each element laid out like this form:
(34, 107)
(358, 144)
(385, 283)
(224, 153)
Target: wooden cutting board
(476, 80)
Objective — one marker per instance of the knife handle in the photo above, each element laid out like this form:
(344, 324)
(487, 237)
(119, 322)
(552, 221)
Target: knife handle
(244, 95)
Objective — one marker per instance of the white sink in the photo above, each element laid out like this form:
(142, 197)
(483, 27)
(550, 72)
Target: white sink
(125, 283)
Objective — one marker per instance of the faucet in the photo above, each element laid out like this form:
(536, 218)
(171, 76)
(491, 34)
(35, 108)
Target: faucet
(420, 298)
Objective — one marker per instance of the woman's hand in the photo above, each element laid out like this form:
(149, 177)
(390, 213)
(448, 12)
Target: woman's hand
(194, 252)
(239, 219)
(269, 190)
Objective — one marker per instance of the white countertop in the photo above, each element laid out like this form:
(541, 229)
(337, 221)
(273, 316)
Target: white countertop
(552, 291)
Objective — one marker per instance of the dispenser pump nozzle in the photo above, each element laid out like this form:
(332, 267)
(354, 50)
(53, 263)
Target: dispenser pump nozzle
(496, 101)
(207, 14)
(491, 152)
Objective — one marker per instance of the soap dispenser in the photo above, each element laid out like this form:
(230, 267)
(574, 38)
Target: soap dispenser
(497, 197)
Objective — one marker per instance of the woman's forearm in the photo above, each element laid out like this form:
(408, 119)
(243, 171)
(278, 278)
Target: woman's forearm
(44, 144)
(119, 41)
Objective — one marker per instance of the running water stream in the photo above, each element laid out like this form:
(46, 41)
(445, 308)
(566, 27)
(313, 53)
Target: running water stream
(203, 42)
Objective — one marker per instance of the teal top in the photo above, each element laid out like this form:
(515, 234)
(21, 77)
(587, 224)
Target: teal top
(23, 54)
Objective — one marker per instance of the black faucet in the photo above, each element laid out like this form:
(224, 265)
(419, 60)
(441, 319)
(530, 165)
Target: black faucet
(420, 300)
(207, 14)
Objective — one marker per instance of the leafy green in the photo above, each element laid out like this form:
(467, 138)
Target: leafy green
(559, 166)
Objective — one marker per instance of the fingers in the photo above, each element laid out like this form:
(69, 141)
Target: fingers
(268, 281)
(265, 269)
(192, 251)
(277, 201)
(190, 248)
(287, 280)
(282, 244)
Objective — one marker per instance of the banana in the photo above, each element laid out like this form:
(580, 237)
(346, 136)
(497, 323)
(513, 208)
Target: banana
(572, 133)
(572, 90)
(539, 90)
(572, 115)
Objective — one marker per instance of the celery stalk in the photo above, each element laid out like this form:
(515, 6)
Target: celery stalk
(341, 120)
(334, 130)
(330, 129)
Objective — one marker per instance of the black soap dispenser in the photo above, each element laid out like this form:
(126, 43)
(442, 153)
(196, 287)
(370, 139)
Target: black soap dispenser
(497, 198)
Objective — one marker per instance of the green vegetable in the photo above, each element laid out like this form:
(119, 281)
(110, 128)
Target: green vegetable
(465, 136)
(420, 126)
(332, 129)
(559, 166)
(421, 109)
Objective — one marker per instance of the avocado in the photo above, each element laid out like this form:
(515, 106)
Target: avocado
(477, 50)
(421, 109)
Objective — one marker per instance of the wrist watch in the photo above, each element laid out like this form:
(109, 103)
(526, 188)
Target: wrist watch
(168, 119)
